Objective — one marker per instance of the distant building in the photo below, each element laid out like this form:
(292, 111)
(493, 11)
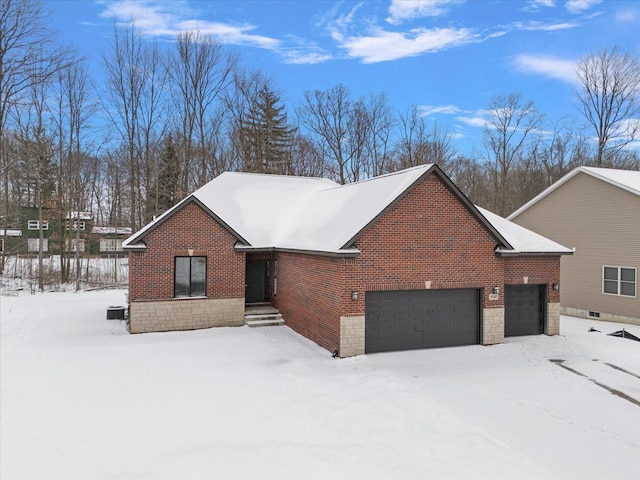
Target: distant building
(80, 234)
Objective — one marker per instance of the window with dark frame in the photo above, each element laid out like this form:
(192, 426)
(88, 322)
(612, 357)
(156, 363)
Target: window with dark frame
(190, 277)
(619, 281)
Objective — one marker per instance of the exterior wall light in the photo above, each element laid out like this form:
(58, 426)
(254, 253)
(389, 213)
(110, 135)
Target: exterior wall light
(354, 295)
(556, 286)
(496, 290)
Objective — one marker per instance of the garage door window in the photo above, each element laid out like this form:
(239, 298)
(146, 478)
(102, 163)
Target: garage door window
(619, 281)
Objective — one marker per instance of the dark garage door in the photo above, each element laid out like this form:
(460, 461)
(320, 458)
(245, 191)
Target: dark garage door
(408, 319)
(523, 310)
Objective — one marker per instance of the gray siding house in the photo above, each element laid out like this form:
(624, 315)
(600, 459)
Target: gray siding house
(596, 211)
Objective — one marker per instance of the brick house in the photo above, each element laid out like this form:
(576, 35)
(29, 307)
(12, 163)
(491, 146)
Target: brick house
(395, 262)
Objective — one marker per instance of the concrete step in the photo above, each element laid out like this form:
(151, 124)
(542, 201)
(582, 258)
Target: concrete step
(263, 320)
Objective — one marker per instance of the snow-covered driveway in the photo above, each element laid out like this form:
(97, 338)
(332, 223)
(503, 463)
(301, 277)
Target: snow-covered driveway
(83, 399)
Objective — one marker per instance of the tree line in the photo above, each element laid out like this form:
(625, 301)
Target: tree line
(158, 122)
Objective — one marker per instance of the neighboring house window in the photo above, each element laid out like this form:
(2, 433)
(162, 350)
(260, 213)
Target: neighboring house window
(34, 243)
(35, 225)
(71, 245)
(619, 281)
(75, 225)
(190, 277)
(110, 245)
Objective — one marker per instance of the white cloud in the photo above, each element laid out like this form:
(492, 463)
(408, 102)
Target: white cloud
(542, 3)
(226, 33)
(402, 10)
(628, 15)
(305, 56)
(477, 121)
(158, 19)
(426, 110)
(545, 27)
(580, 6)
(382, 45)
(547, 66)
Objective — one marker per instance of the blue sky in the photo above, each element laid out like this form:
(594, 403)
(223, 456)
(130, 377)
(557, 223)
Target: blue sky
(449, 57)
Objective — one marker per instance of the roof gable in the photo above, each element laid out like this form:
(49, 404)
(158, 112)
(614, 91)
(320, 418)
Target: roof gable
(136, 241)
(433, 169)
(628, 180)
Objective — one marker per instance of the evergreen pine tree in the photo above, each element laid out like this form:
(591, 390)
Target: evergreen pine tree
(168, 176)
(267, 138)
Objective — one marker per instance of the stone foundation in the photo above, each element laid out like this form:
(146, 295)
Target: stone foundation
(492, 326)
(605, 317)
(553, 319)
(351, 336)
(185, 314)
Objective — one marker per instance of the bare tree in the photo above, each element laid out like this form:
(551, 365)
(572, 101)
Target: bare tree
(306, 158)
(27, 56)
(510, 125)
(199, 72)
(336, 123)
(609, 99)
(559, 152)
(75, 107)
(36, 159)
(379, 128)
(133, 102)
(419, 144)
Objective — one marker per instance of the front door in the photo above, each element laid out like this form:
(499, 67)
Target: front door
(256, 281)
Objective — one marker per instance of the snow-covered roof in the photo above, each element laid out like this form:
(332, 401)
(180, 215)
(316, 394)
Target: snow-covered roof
(628, 180)
(111, 230)
(522, 240)
(80, 215)
(11, 232)
(312, 214)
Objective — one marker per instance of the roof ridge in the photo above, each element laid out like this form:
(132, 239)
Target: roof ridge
(425, 166)
(274, 175)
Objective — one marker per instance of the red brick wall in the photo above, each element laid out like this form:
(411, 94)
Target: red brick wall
(151, 273)
(427, 236)
(310, 295)
(539, 270)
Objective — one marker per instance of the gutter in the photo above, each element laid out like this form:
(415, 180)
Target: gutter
(514, 253)
(345, 253)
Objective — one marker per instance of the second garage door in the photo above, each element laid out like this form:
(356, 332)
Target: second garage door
(523, 310)
(409, 319)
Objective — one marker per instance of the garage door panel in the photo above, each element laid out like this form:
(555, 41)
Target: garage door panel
(524, 310)
(410, 319)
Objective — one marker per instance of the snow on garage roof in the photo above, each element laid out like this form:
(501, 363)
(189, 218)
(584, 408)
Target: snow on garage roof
(522, 240)
(628, 180)
(309, 214)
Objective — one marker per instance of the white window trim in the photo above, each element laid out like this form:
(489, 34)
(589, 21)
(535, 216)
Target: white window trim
(71, 245)
(33, 244)
(35, 225)
(74, 225)
(619, 267)
(110, 245)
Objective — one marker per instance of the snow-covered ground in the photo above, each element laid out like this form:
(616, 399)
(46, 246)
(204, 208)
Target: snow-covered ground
(83, 399)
